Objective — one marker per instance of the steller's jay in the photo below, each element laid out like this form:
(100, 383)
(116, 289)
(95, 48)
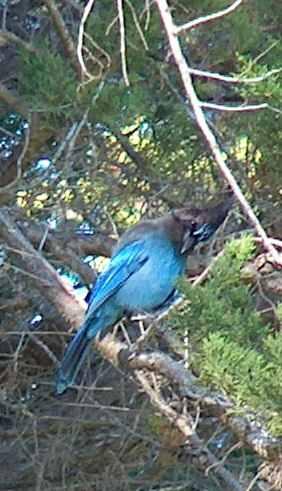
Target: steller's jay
(141, 276)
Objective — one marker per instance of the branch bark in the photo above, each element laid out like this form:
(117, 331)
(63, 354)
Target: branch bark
(10, 37)
(244, 427)
(44, 277)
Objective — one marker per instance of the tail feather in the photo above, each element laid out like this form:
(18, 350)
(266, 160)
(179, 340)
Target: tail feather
(74, 356)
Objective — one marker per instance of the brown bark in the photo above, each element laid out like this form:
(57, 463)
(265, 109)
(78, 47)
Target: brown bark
(43, 276)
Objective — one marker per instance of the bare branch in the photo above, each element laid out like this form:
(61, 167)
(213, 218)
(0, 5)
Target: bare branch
(137, 24)
(4, 189)
(233, 80)
(234, 109)
(10, 37)
(204, 127)
(84, 18)
(83, 245)
(44, 276)
(12, 100)
(207, 18)
(122, 42)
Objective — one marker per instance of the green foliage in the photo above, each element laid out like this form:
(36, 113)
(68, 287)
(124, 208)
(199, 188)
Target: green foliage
(233, 348)
(48, 83)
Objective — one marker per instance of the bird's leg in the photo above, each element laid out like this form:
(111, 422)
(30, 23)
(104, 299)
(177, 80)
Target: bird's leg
(145, 333)
(124, 332)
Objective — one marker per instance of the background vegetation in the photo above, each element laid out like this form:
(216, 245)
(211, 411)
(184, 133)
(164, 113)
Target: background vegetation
(83, 156)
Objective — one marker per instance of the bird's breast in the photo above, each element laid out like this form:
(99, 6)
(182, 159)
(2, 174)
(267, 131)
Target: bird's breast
(150, 286)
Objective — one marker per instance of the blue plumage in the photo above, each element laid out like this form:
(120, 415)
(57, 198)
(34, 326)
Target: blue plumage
(140, 277)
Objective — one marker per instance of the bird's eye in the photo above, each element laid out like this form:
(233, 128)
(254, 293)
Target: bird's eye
(193, 226)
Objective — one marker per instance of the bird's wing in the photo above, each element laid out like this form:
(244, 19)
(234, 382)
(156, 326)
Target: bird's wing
(123, 264)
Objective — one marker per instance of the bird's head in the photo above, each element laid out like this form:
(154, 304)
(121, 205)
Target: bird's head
(199, 224)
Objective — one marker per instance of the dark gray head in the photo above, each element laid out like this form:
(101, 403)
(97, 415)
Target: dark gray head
(199, 224)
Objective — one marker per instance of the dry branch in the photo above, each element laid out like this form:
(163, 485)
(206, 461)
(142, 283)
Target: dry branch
(83, 245)
(122, 42)
(12, 101)
(9, 37)
(85, 15)
(43, 276)
(207, 18)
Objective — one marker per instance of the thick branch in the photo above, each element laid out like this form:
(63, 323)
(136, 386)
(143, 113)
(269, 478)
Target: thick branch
(244, 427)
(68, 247)
(44, 277)
(83, 245)
(183, 422)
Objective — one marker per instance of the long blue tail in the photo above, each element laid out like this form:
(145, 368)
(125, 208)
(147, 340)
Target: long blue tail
(74, 356)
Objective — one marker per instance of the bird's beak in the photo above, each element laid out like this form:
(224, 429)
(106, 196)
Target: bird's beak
(189, 242)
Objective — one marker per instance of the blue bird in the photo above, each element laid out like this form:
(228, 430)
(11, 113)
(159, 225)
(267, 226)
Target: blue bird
(141, 276)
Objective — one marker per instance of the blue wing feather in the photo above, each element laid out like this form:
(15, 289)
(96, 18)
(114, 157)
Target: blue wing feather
(123, 264)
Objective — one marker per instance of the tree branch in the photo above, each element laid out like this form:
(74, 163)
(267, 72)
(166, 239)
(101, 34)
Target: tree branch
(252, 433)
(208, 18)
(84, 18)
(83, 245)
(13, 101)
(218, 77)
(204, 127)
(45, 278)
(234, 109)
(64, 34)
(10, 37)
(122, 43)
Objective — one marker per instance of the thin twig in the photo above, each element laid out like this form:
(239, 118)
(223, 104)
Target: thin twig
(207, 18)
(234, 109)
(122, 43)
(137, 24)
(4, 15)
(84, 18)
(19, 162)
(233, 80)
(10, 37)
(99, 48)
(44, 347)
